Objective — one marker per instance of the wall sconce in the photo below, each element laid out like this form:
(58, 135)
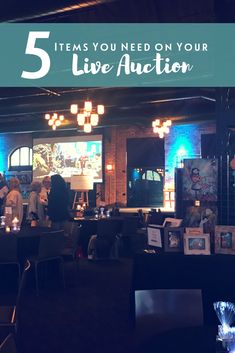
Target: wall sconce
(109, 168)
(54, 120)
(197, 203)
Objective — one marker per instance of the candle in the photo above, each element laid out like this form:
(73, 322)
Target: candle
(15, 223)
(3, 221)
(7, 229)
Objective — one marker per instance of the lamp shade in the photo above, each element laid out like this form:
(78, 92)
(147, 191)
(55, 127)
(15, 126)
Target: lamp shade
(81, 182)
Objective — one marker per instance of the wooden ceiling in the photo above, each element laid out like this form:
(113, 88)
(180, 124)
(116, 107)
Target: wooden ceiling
(23, 109)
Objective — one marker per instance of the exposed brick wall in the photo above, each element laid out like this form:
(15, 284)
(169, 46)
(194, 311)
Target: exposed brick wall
(115, 153)
(114, 188)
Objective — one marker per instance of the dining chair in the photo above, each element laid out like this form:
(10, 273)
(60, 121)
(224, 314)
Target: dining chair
(106, 242)
(10, 314)
(129, 236)
(51, 245)
(8, 345)
(72, 234)
(8, 253)
(69, 253)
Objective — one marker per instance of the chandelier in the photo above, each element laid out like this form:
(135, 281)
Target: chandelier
(161, 127)
(88, 116)
(54, 120)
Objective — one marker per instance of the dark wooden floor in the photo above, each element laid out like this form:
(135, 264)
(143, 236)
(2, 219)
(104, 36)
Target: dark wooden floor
(90, 317)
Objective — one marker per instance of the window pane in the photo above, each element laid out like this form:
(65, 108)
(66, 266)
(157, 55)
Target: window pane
(145, 187)
(15, 158)
(24, 156)
(30, 156)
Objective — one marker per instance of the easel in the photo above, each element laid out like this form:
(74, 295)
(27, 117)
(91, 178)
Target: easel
(84, 199)
(81, 184)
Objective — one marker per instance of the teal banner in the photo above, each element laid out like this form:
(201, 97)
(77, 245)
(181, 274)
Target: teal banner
(85, 55)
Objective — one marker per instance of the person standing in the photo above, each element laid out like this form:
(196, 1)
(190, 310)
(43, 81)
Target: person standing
(3, 192)
(46, 185)
(58, 202)
(45, 189)
(14, 200)
(35, 212)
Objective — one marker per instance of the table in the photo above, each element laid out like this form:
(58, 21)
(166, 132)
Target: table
(27, 241)
(183, 340)
(90, 226)
(213, 274)
(27, 246)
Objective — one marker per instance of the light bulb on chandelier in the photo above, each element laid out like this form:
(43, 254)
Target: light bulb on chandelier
(88, 116)
(161, 127)
(54, 120)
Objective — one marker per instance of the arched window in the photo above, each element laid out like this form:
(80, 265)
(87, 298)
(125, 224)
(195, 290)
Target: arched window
(21, 159)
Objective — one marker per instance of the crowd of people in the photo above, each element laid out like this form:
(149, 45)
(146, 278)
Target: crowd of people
(48, 203)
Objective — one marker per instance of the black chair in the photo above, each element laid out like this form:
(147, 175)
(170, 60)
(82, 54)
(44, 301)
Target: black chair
(51, 245)
(8, 345)
(132, 241)
(10, 314)
(69, 253)
(8, 252)
(106, 243)
(72, 234)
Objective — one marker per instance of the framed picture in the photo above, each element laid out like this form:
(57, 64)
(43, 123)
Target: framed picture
(154, 236)
(225, 240)
(200, 179)
(197, 244)
(194, 230)
(25, 178)
(25, 191)
(172, 222)
(173, 239)
(204, 216)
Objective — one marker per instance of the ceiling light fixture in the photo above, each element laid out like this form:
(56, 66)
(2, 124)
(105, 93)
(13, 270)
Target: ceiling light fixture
(88, 116)
(161, 127)
(54, 120)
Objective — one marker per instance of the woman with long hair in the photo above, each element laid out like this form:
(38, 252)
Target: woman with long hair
(58, 202)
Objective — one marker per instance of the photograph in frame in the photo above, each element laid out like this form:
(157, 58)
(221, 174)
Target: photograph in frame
(173, 239)
(172, 222)
(225, 240)
(154, 236)
(204, 217)
(194, 230)
(200, 179)
(197, 244)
